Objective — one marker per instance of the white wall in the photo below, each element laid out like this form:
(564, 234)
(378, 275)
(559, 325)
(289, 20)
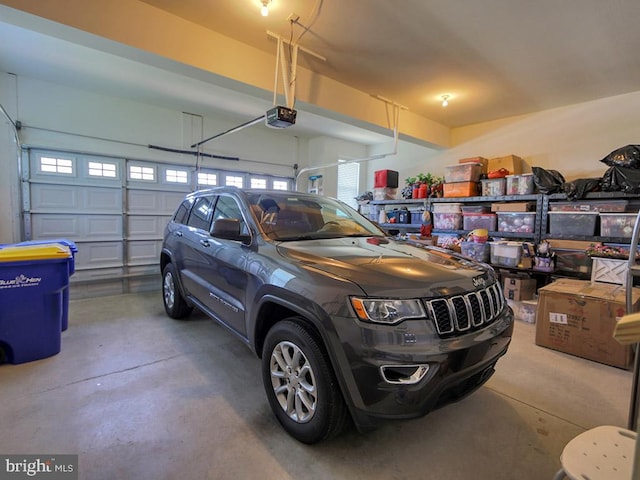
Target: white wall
(64, 118)
(570, 139)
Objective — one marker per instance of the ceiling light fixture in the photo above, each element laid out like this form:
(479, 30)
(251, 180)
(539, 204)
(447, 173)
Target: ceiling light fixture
(265, 8)
(445, 100)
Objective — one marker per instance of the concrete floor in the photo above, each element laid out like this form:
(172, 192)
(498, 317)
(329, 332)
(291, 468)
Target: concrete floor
(141, 396)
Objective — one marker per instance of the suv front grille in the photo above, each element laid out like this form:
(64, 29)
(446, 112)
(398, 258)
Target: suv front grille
(463, 313)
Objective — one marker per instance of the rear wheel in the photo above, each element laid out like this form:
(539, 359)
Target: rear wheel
(300, 384)
(174, 303)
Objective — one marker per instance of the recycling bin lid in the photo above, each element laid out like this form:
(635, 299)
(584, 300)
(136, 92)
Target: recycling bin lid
(47, 251)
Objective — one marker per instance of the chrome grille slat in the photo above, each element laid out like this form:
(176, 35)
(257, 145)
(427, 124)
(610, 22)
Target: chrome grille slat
(462, 313)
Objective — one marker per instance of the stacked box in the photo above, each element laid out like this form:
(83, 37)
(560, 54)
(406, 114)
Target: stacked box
(447, 221)
(460, 189)
(463, 172)
(384, 193)
(385, 178)
(518, 287)
(520, 184)
(579, 317)
(562, 223)
(518, 222)
(506, 253)
(617, 224)
(512, 163)
(478, 251)
(471, 221)
(590, 206)
(493, 187)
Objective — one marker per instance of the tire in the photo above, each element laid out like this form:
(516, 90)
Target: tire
(174, 303)
(300, 384)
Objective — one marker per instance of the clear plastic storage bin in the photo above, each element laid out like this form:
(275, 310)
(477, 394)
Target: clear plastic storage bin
(477, 251)
(506, 253)
(517, 222)
(493, 187)
(572, 223)
(617, 224)
(463, 172)
(471, 221)
(520, 184)
(447, 221)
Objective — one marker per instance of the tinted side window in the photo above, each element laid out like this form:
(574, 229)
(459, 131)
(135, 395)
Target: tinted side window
(227, 207)
(200, 216)
(182, 212)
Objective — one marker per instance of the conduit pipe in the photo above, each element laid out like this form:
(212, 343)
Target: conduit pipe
(396, 120)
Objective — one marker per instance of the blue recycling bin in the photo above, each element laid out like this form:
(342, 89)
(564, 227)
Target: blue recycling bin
(32, 281)
(72, 268)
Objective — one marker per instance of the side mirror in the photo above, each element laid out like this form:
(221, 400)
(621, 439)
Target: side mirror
(227, 228)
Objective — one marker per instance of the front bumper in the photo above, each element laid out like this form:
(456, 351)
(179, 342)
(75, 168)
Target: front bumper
(456, 365)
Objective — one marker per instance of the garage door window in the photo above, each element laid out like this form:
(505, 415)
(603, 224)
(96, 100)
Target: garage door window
(99, 169)
(176, 176)
(137, 172)
(234, 181)
(209, 179)
(56, 165)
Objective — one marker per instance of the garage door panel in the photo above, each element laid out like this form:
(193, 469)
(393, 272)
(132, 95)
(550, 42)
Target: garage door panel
(146, 227)
(54, 198)
(99, 254)
(77, 227)
(144, 252)
(73, 198)
(150, 201)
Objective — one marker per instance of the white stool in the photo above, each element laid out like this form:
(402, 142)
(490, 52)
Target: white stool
(602, 453)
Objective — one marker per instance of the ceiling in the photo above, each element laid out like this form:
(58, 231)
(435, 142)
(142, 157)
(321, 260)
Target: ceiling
(494, 58)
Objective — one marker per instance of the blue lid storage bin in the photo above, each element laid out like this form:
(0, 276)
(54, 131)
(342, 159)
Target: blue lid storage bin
(32, 279)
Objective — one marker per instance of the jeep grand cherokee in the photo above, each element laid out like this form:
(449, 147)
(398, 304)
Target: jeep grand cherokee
(346, 321)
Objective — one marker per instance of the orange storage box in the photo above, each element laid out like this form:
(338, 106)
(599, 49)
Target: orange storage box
(461, 189)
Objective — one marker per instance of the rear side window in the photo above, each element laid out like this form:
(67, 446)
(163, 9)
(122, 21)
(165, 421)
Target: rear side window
(182, 212)
(200, 216)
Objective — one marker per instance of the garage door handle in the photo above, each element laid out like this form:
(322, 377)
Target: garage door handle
(204, 243)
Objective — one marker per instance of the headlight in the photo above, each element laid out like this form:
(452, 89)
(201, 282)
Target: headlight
(387, 311)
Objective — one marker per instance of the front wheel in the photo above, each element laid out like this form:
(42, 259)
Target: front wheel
(300, 384)
(174, 303)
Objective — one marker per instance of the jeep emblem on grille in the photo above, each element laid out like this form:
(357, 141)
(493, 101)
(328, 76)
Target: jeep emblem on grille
(479, 282)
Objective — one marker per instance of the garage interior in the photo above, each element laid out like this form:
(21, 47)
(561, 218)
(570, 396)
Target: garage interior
(135, 84)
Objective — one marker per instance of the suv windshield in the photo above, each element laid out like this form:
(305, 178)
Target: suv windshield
(291, 216)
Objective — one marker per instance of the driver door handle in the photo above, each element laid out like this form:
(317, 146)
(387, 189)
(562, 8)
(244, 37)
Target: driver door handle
(205, 243)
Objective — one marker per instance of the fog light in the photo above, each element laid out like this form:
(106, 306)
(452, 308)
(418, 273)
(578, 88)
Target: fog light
(403, 374)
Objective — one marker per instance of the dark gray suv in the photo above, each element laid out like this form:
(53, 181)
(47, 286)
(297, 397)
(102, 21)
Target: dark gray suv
(347, 322)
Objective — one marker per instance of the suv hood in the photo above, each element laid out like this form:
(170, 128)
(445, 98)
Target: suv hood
(395, 268)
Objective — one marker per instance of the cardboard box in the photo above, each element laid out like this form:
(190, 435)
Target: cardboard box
(579, 317)
(512, 163)
(518, 287)
(513, 207)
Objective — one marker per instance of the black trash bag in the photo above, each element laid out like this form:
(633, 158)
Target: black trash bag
(547, 181)
(627, 157)
(578, 189)
(621, 179)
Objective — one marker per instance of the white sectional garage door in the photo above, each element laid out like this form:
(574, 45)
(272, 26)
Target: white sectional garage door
(114, 210)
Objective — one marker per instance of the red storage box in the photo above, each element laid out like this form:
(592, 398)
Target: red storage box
(385, 178)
